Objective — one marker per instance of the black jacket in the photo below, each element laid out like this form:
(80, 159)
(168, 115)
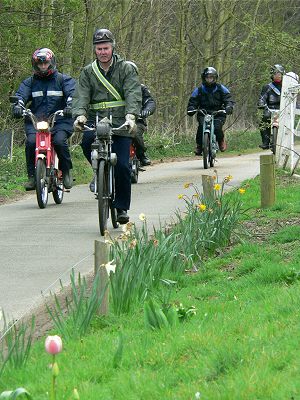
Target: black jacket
(210, 98)
(270, 96)
(148, 103)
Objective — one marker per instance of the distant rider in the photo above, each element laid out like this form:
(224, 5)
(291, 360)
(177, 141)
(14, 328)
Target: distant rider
(148, 108)
(270, 97)
(211, 96)
(48, 91)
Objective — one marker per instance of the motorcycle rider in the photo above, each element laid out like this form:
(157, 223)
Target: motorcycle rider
(48, 91)
(270, 97)
(211, 96)
(109, 85)
(148, 108)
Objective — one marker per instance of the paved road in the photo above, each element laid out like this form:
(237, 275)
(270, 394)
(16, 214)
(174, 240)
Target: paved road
(39, 246)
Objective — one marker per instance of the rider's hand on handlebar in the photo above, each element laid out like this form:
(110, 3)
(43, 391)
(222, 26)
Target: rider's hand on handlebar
(67, 112)
(145, 113)
(17, 111)
(228, 110)
(130, 121)
(79, 123)
(191, 112)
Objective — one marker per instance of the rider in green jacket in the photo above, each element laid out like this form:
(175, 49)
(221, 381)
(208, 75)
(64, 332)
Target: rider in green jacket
(109, 86)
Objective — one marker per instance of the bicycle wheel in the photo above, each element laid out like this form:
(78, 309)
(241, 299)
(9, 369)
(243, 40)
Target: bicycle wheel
(134, 170)
(41, 183)
(58, 189)
(205, 146)
(103, 195)
(274, 139)
(113, 211)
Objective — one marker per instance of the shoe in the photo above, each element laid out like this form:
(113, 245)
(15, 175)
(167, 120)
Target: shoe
(30, 185)
(92, 186)
(222, 145)
(122, 216)
(198, 151)
(67, 179)
(145, 161)
(264, 146)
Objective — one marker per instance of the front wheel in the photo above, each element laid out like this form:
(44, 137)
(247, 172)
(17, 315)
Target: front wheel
(274, 139)
(103, 195)
(205, 150)
(41, 183)
(58, 189)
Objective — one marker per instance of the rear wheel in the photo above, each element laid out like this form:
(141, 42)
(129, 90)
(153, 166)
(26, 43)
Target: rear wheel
(205, 146)
(41, 183)
(103, 196)
(134, 170)
(274, 139)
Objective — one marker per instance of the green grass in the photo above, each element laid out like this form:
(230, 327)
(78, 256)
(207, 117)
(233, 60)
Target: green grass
(243, 342)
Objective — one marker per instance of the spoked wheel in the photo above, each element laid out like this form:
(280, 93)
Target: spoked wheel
(41, 183)
(274, 139)
(58, 190)
(205, 150)
(113, 211)
(103, 196)
(134, 170)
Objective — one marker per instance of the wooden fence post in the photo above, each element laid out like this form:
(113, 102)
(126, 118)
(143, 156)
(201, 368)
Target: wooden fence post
(208, 187)
(101, 258)
(267, 180)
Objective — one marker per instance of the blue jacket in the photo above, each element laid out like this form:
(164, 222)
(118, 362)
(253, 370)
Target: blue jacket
(47, 95)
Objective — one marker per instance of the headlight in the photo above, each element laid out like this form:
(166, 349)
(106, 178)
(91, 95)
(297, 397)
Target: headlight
(42, 126)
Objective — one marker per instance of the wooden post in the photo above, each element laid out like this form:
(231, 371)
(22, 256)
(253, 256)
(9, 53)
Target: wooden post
(101, 258)
(267, 180)
(208, 187)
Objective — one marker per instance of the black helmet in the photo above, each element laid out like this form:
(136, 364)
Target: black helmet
(42, 55)
(209, 71)
(134, 66)
(102, 36)
(277, 68)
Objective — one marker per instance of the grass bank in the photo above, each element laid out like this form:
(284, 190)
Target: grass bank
(242, 343)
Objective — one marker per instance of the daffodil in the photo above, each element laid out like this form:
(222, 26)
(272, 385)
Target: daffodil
(187, 185)
(242, 191)
(228, 178)
(217, 186)
(196, 195)
(142, 217)
(180, 196)
(202, 207)
(133, 244)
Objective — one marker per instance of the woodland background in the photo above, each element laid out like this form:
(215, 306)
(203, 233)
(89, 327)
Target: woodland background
(171, 41)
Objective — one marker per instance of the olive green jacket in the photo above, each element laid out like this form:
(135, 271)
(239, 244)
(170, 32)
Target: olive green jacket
(89, 90)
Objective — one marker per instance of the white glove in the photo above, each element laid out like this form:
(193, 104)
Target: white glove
(79, 122)
(130, 121)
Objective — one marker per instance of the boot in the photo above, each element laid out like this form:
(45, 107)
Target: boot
(67, 179)
(122, 216)
(198, 150)
(144, 160)
(265, 141)
(30, 184)
(222, 145)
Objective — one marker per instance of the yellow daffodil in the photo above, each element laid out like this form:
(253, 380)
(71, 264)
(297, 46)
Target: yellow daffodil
(180, 196)
(228, 178)
(202, 207)
(196, 195)
(217, 186)
(187, 185)
(242, 191)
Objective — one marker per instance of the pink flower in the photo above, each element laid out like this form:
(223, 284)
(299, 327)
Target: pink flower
(53, 344)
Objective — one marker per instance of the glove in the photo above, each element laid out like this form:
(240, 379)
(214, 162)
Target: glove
(261, 104)
(191, 112)
(145, 113)
(79, 122)
(67, 112)
(228, 110)
(130, 121)
(18, 110)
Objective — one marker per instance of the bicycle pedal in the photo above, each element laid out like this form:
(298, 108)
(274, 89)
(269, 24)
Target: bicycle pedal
(67, 190)
(141, 169)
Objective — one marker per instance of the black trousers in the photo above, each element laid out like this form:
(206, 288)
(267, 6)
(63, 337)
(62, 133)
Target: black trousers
(138, 140)
(60, 142)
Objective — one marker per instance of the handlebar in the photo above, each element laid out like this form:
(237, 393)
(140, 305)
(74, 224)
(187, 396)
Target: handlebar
(205, 112)
(124, 126)
(27, 112)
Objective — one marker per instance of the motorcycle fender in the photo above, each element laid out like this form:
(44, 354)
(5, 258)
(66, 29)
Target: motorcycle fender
(41, 156)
